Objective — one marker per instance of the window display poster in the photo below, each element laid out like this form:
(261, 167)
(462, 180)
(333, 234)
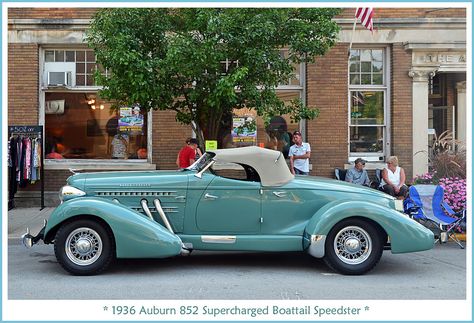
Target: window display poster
(244, 131)
(131, 120)
(211, 145)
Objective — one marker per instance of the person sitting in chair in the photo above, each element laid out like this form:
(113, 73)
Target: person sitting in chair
(358, 175)
(393, 179)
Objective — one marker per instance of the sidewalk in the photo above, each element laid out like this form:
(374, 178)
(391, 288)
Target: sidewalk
(21, 218)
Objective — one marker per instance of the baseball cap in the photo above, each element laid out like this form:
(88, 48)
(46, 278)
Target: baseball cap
(360, 160)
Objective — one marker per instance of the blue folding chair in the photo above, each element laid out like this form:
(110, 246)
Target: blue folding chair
(425, 204)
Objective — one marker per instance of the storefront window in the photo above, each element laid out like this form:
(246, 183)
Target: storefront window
(368, 107)
(247, 129)
(82, 126)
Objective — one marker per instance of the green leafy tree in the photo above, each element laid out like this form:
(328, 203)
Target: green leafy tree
(205, 62)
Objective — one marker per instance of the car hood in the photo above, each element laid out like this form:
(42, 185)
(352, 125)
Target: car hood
(129, 180)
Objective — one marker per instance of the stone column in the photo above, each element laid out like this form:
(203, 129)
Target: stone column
(420, 118)
(461, 125)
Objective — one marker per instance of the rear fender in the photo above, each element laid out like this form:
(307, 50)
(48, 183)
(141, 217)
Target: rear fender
(136, 236)
(406, 235)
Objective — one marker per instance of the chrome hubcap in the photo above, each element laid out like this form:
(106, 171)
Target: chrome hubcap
(353, 245)
(83, 246)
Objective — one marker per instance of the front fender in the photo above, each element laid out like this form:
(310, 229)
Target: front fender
(136, 236)
(406, 235)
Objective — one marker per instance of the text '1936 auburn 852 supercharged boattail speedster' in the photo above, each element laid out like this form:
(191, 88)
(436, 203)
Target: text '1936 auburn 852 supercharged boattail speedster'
(157, 214)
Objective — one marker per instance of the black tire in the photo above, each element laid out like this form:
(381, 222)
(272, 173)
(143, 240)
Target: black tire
(353, 247)
(84, 247)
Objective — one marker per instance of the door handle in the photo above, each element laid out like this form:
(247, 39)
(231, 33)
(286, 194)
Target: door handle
(209, 196)
(279, 194)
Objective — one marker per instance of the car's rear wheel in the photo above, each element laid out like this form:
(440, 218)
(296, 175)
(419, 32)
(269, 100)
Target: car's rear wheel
(353, 247)
(84, 247)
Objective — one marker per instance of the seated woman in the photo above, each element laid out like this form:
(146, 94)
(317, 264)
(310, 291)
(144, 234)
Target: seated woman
(393, 179)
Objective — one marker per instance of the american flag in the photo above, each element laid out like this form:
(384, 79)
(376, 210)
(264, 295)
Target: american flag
(365, 17)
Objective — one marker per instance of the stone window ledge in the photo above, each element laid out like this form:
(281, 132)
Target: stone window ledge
(98, 165)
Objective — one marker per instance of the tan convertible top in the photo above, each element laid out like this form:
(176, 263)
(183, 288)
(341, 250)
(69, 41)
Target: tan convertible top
(270, 164)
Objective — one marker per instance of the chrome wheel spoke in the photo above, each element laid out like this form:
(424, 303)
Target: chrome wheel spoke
(83, 246)
(352, 245)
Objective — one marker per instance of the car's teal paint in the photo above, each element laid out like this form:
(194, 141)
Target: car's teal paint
(286, 211)
(129, 188)
(262, 218)
(248, 243)
(226, 207)
(136, 236)
(406, 235)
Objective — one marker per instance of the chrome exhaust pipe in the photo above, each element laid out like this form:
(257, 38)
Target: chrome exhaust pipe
(184, 250)
(145, 208)
(162, 214)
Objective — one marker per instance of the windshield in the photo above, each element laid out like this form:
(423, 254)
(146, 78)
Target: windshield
(201, 163)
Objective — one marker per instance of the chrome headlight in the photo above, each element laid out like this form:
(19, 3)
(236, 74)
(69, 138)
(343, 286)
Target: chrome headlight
(68, 192)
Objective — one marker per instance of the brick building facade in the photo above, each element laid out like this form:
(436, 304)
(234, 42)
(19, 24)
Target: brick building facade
(422, 48)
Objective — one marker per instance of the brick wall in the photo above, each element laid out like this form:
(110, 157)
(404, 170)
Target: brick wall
(410, 13)
(168, 138)
(401, 108)
(23, 84)
(50, 13)
(327, 90)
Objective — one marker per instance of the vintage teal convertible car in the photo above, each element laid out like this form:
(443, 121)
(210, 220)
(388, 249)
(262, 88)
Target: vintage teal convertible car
(157, 214)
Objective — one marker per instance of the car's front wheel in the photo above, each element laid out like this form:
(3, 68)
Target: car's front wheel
(84, 247)
(353, 247)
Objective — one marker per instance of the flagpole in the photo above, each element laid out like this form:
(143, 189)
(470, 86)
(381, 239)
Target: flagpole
(352, 38)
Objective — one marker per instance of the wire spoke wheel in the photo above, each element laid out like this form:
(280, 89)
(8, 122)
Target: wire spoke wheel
(83, 246)
(353, 245)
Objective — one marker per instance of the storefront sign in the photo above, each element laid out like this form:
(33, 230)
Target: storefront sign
(440, 58)
(131, 120)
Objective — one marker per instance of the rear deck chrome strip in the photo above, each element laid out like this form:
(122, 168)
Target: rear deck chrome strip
(218, 239)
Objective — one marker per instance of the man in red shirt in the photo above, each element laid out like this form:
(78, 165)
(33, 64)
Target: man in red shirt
(187, 154)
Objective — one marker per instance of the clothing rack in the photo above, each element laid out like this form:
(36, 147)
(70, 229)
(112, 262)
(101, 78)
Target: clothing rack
(30, 131)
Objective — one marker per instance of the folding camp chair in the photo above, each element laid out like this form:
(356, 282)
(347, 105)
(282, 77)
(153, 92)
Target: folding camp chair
(340, 174)
(425, 204)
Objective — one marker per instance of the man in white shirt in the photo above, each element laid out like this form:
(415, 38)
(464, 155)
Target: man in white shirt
(299, 155)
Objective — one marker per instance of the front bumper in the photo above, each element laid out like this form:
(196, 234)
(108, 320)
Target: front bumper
(29, 240)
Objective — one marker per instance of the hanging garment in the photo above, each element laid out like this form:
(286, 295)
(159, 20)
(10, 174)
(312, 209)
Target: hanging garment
(27, 170)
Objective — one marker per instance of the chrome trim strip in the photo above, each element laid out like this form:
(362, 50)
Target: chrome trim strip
(316, 247)
(218, 239)
(127, 193)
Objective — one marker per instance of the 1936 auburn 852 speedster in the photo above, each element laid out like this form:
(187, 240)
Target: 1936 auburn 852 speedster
(157, 214)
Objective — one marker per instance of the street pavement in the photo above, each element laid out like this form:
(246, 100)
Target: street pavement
(34, 273)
